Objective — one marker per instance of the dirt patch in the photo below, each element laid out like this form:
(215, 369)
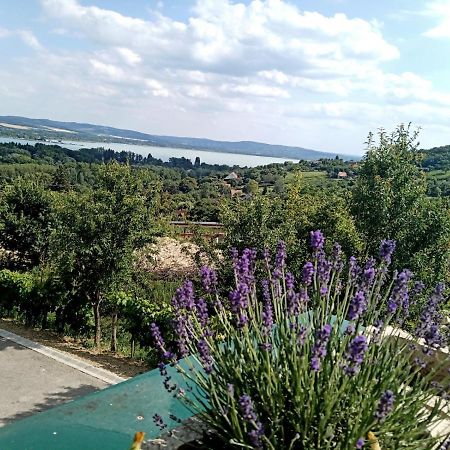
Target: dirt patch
(116, 363)
(170, 258)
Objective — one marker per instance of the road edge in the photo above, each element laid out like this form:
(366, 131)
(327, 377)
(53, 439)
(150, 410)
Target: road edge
(64, 358)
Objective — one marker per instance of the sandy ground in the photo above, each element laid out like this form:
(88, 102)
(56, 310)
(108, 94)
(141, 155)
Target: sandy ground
(170, 259)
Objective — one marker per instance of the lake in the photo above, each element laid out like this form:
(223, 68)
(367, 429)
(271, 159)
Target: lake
(164, 153)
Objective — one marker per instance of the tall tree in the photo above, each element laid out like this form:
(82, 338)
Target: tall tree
(390, 202)
(99, 233)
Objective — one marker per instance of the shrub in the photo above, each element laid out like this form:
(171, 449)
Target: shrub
(313, 364)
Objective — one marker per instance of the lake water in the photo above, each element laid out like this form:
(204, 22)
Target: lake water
(164, 153)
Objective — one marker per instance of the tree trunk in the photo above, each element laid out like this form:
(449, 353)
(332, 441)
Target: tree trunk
(132, 347)
(114, 331)
(97, 317)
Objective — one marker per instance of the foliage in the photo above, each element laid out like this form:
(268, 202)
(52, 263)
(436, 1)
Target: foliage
(25, 221)
(263, 221)
(314, 364)
(389, 200)
(98, 233)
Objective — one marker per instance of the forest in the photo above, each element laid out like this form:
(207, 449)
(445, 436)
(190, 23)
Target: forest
(75, 224)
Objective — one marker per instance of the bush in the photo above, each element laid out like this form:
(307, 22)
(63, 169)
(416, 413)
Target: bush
(29, 295)
(317, 364)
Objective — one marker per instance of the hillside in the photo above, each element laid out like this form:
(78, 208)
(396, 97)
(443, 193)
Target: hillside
(50, 129)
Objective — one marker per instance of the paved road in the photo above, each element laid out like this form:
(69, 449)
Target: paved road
(31, 382)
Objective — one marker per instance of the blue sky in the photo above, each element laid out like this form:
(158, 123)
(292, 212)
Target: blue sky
(316, 73)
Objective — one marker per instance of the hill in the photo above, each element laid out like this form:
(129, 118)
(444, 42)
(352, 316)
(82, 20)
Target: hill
(50, 129)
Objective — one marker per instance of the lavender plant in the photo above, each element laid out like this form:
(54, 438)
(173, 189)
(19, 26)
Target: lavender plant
(314, 363)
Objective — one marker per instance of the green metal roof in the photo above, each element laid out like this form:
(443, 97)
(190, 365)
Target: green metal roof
(106, 419)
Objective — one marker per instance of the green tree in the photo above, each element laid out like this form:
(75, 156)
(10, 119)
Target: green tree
(25, 221)
(263, 221)
(251, 188)
(390, 202)
(99, 233)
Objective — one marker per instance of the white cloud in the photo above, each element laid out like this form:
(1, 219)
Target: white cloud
(128, 56)
(440, 10)
(4, 32)
(223, 36)
(29, 39)
(266, 64)
(258, 90)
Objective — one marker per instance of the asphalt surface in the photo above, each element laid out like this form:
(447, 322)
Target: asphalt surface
(31, 382)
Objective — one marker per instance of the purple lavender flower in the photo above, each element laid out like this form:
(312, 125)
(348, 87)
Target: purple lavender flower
(205, 355)
(280, 260)
(293, 299)
(336, 259)
(267, 314)
(234, 256)
(184, 297)
(417, 289)
(319, 350)
(302, 335)
(266, 346)
(360, 443)
(355, 354)
(358, 305)
(246, 407)
(354, 270)
(202, 312)
(303, 297)
(244, 267)
(181, 325)
(433, 336)
(430, 319)
(369, 273)
(387, 247)
(323, 271)
(255, 436)
(376, 335)
(307, 273)
(208, 278)
(157, 337)
(350, 329)
(399, 295)
(166, 377)
(239, 297)
(266, 258)
(239, 303)
(159, 422)
(420, 363)
(317, 240)
(385, 405)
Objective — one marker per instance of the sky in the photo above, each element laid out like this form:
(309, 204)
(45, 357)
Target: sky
(319, 74)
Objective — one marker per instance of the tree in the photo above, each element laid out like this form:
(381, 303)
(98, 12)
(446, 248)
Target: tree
(99, 232)
(263, 221)
(390, 202)
(251, 188)
(25, 221)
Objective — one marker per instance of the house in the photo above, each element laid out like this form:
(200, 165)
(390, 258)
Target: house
(232, 176)
(342, 175)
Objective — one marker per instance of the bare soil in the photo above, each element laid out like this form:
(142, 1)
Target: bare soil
(116, 363)
(170, 258)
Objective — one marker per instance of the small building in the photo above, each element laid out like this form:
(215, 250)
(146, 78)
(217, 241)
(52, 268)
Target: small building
(232, 176)
(342, 175)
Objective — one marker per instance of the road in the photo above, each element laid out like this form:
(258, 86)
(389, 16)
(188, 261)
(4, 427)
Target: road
(31, 382)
